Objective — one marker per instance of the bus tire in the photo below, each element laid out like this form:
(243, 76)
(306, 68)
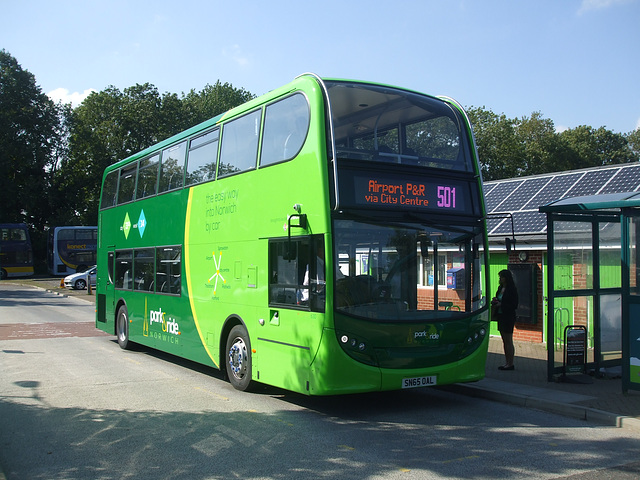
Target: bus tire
(122, 328)
(239, 358)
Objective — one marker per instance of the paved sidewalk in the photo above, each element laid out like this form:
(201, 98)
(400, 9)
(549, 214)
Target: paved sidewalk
(600, 402)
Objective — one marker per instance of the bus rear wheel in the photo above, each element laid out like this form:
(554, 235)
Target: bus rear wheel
(239, 358)
(122, 327)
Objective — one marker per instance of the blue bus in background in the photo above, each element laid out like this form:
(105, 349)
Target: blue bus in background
(16, 254)
(71, 249)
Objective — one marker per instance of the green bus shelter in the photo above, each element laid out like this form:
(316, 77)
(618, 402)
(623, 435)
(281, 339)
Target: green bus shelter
(585, 236)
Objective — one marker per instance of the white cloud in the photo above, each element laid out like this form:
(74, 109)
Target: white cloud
(235, 53)
(590, 5)
(638, 123)
(63, 95)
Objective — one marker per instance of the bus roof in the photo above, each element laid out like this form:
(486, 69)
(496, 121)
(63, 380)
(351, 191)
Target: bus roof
(240, 109)
(304, 78)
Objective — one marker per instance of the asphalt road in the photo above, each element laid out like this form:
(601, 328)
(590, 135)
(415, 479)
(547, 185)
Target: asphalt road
(73, 405)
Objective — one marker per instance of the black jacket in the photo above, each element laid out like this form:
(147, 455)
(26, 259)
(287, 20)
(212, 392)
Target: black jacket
(509, 302)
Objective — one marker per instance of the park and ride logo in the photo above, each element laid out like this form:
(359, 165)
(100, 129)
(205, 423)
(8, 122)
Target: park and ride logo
(429, 334)
(168, 330)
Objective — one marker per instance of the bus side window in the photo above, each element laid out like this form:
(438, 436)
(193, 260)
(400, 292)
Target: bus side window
(203, 158)
(172, 168)
(110, 267)
(109, 190)
(297, 273)
(168, 270)
(286, 125)
(123, 271)
(143, 267)
(239, 151)
(127, 186)
(148, 176)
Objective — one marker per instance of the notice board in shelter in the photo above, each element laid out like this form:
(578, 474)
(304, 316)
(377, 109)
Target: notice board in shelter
(525, 276)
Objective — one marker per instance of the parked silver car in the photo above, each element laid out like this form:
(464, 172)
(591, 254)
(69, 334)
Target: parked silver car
(79, 281)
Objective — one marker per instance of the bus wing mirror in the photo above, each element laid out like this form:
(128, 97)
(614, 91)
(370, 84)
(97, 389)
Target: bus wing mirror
(302, 221)
(290, 250)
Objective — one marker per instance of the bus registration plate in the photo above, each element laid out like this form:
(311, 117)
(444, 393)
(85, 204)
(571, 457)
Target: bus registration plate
(419, 382)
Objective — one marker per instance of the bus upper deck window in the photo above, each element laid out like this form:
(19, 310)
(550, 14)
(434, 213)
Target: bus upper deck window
(285, 129)
(239, 149)
(127, 186)
(172, 167)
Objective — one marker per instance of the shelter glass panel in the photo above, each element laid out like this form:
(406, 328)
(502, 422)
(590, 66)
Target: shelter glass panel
(610, 255)
(634, 271)
(611, 326)
(568, 311)
(573, 256)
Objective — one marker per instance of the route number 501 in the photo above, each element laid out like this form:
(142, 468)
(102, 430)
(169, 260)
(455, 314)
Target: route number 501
(446, 197)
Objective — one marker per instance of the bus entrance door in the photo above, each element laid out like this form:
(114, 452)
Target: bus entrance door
(110, 292)
(289, 337)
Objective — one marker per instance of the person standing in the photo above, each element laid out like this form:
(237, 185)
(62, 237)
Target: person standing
(504, 306)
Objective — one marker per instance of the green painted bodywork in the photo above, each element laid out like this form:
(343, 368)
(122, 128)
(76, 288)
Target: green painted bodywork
(224, 227)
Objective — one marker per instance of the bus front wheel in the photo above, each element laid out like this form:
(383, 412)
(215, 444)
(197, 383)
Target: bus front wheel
(122, 327)
(239, 358)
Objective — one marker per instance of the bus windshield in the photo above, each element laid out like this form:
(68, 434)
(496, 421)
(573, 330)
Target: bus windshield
(398, 272)
(383, 124)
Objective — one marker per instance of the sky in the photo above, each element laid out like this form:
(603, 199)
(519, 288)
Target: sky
(577, 62)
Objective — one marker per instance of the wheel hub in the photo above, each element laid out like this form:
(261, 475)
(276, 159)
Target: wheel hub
(237, 358)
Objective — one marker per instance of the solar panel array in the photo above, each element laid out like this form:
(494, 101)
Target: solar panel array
(521, 197)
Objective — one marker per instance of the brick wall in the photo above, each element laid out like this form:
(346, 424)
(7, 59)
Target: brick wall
(425, 297)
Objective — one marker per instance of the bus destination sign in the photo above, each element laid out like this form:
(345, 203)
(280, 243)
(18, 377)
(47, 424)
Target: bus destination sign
(413, 193)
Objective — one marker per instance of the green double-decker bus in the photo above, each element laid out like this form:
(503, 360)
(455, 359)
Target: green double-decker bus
(326, 238)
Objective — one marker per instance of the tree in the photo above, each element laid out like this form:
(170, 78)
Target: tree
(111, 125)
(633, 140)
(531, 146)
(97, 138)
(539, 143)
(213, 100)
(597, 147)
(30, 140)
(498, 150)
(107, 127)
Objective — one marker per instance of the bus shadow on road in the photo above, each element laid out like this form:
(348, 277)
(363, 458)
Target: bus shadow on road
(357, 405)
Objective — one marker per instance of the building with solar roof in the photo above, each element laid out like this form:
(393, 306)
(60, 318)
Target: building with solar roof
(513, 213)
